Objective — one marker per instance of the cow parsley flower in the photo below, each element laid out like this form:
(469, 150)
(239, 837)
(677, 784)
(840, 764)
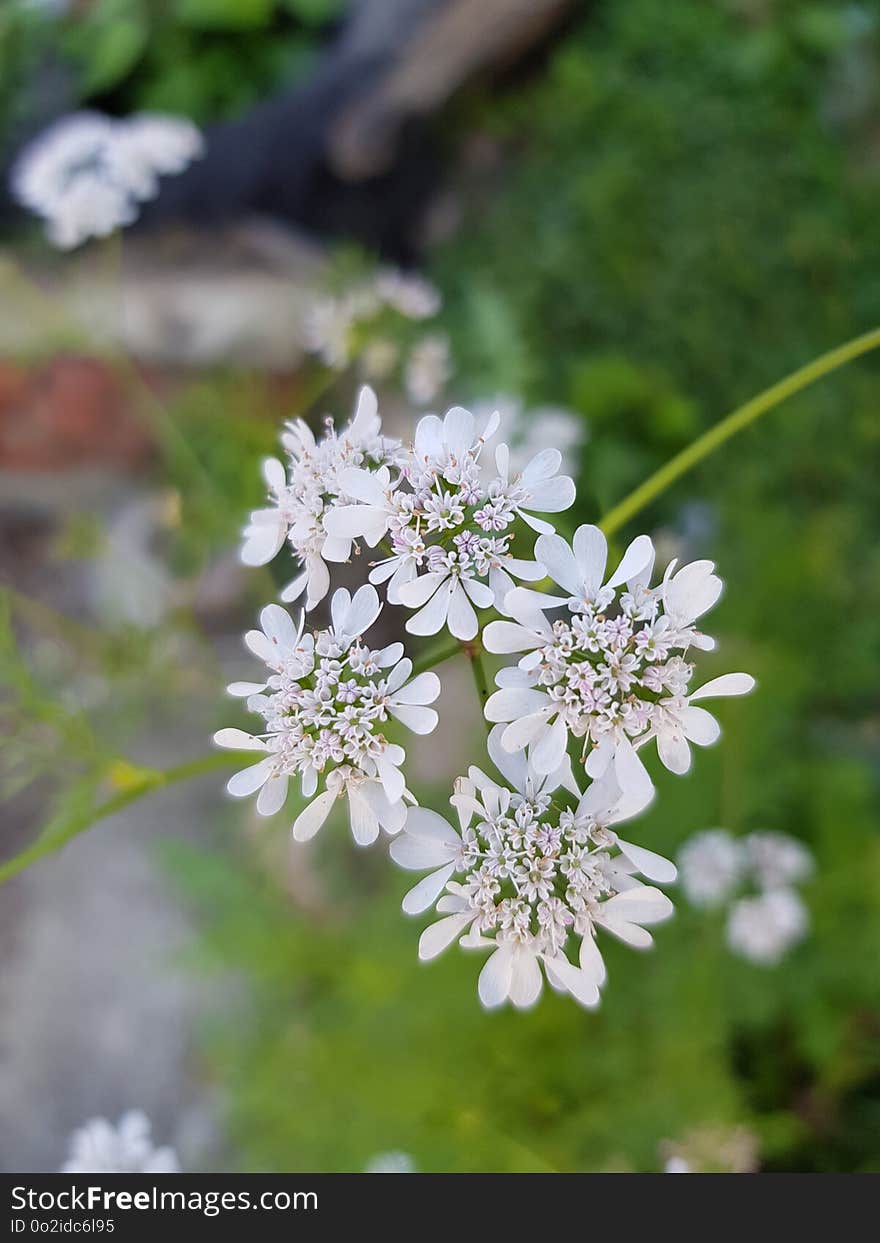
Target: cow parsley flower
(428, 368)
(763, 929)
(613, 669)
(86, 174)
(769, 917)
(335, 326)
(775, 859)
(530, 870)
(99, 1147)
(449, 522)
(710, 865)
(527, 430)
(309, 486)
(325, 702)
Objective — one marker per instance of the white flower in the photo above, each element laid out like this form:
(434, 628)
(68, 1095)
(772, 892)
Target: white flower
(539, 486)
(309, 487)
(408, 293)
(615, 679)
(776, 860)
(391, 1163)
(711, 865)
(150, 145)
(763, 929)
(331, 325)
(98, 1147)
(427, 369)
(324, 703)
(529, 875)
(677, 1165)
(86, 173)
(450, 528)
(528, 430)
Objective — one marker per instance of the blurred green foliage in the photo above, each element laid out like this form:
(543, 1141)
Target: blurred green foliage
(683, 213)
(201, 58)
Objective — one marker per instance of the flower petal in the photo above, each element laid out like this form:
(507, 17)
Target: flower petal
(493, 986)
(436, 938)
(249, 780)
(312, 817)
(727, 684)
(427, 891)
(560, 563)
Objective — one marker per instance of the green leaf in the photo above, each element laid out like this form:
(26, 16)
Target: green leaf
(109, 42)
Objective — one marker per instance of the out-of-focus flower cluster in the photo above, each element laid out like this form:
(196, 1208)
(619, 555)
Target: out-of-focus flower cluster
(769, 917)
(712, 1150)
(99, 1147)
(534, 867)
(364, 322)
(86, 174)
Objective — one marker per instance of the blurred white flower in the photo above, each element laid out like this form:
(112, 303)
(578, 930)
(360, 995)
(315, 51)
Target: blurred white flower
(763, 929)
(408, 293)
(617, 681)
(86, 173)
(324, 703)
(677, 1165)
(99, 1147)
(712, 1150)
(776, 860)
(332, 324)
(528, 430)
(710, 866)
(525, 873)
(395, 1162)
(428, 368)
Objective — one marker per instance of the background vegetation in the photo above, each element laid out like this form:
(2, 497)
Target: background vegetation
(681, 207)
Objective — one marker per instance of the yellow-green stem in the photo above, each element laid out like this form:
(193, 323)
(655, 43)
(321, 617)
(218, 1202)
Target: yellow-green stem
(153, 780)
(733, 423)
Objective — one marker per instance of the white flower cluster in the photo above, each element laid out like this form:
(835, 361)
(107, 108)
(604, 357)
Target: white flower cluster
(535, 865)
(86, 173)
(308, 489)
(99, 1147)
(765, 923)
(448, 521)
(324, 705)
(532, 866)
(364, 320)
(610, 671)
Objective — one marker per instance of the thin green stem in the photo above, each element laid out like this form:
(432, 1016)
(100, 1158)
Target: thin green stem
(435, 655)
(474, 652)
(150, 781)
(734, 422)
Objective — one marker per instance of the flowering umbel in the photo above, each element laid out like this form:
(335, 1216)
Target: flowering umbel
(325, 705)
(532, 867)
(533, 871)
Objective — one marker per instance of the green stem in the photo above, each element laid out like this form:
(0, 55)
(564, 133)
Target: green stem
(474, 650)
(733, 423)
(157, 779)
(444, 649)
